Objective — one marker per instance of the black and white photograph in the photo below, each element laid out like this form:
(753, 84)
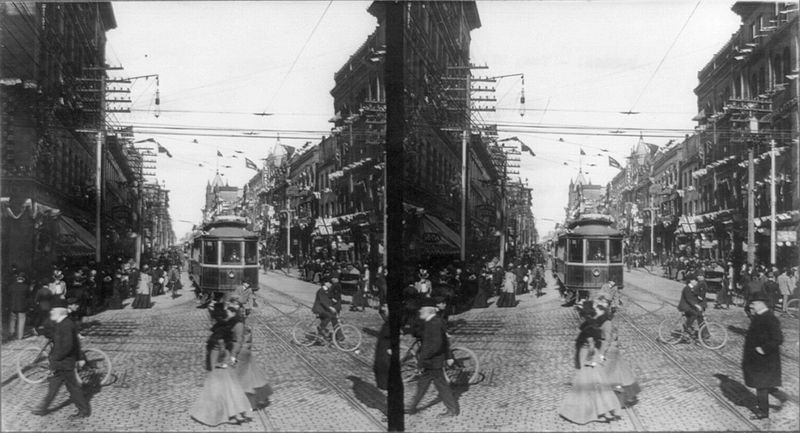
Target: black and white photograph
(399, 215)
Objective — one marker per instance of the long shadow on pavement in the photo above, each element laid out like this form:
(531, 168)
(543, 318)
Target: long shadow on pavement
(368, 394)
(736, 392)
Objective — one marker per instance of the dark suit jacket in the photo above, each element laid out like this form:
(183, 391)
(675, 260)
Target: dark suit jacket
(66, 347)
(689, 299)
(762, 371)
(322, 302)
(434, 344)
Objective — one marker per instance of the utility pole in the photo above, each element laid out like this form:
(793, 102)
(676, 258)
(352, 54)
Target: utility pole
(466, 132)
(394, 75)
(772, 199)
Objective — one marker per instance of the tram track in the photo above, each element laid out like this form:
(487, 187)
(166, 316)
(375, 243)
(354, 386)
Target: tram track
(666, 301)
(654, 342)
(339, 390)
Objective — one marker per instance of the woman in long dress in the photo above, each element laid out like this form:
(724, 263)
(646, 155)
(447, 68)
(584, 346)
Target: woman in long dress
(251, 378)
(508, 298)
(484, 289)
(222, 399)
(143, 290)
(618, 372)
(591, 397)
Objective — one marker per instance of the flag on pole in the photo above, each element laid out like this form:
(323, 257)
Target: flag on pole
(219, 153)
(527, 149)
(162, 149)
(582, 152)
(614, 163)
(289, 150)
(250, 164)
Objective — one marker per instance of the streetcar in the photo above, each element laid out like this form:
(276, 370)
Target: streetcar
(222, 255)
(587, 255)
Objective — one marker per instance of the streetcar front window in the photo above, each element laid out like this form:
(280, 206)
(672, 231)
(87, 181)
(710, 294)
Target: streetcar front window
(232, 252)
(250, 253)
(615, 250)
(210, 252)
(575, 252)
(597, 251)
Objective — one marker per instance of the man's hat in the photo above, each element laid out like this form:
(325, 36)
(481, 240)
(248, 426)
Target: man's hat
(428, 302)
(759, 296)
(57, 273)
(58, 303)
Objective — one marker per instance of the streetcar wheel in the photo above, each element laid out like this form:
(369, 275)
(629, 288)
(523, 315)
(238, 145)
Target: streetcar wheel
(305, 333)
(96, 370)
(347, 338)
(712, 335)
(33, 365)
(465, 368)
(408, 364)
(670, 330)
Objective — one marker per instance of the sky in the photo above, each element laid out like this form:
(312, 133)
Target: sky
(584, 62)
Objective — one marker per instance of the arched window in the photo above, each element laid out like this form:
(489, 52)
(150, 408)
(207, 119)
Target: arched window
(777, 70)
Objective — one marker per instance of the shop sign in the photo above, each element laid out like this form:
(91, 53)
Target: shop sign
(786, 237)
(431, 237)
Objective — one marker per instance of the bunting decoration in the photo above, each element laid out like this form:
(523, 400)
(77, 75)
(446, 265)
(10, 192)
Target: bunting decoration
(219, 153)
(582, 152)
(527, 149)
(614, 163)
(162, 149)
(250, 164)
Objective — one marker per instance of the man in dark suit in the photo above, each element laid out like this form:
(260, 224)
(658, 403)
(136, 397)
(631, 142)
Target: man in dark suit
(761, 360)
(691, 304)
(434, 352)
(63, 356)
(324, 307)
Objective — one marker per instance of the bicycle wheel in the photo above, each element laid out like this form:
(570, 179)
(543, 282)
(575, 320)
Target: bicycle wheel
(33, 365)
(347, 338)
(305, 333)
(96, 370)
(465, 367)
(670, 330)
(408, 364)
(793, 308)
(712, 335)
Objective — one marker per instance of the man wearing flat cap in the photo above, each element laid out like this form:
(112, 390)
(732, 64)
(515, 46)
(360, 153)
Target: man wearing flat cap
(63, 357)
(761, 360)
(432, 355)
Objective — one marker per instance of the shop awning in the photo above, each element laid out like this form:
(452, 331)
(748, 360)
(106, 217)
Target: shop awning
(72, 239)
(437, 237)
(323, 227)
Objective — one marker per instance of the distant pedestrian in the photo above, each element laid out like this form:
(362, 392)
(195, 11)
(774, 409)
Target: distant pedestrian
(174, 280)
(63, 357)
(432, 356)
(20, 301)
(508, 297)
(786, 283)
(143, 290)
(772, 290)
(761, 360)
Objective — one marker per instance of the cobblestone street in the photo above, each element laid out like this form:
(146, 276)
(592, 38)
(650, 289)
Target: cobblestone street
(525, 355)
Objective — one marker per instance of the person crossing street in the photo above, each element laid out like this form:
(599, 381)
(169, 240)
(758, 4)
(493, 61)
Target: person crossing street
(432, 356)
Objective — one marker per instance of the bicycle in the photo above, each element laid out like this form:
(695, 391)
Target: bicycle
(463, 371)
(711, 335)
(346, 338)
(93, 368)
(792, 308)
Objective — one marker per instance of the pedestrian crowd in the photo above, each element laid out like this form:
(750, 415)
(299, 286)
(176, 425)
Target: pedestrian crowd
(88, 288)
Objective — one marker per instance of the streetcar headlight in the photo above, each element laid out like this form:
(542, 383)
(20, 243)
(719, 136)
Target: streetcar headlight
(596, 272)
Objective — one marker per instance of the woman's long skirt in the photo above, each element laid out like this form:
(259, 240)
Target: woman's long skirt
(506, 300)
(141, 301)
(252, 379)
(620, 377)
(220, 399)
(590, 396)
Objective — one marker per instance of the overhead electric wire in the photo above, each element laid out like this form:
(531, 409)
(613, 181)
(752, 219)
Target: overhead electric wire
(661, 62)
(291, 68)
